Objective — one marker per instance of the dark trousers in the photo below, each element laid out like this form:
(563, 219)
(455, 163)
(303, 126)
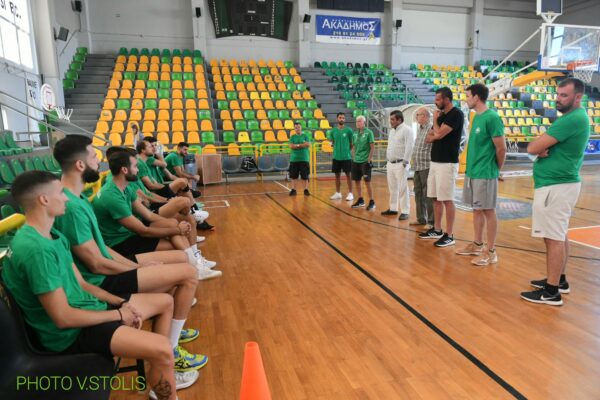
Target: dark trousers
(423, 203)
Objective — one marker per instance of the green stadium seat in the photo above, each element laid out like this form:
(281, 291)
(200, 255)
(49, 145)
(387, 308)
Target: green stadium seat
(228, 137)
(203, 114)
(256, 137)
(163, 94)
(223, 105)
(186, 53)
(164, 84)
(16, 166)
(150, 104)
(312, 104)
(237, 78)
(28, 164)
(129, 76)
(285, 95)
(284, 114)
(188, 76)
(176, 53)
(80, 58)
(176, 76)
(302, 123)
(123, 51)
(231, 95)
(275, 95)
(197, 53)
(208, 137)
(75, 66)
(39, 165)
(165, 60)
(253, 125)
(241, 125)
(82, 50)
(307, 114)
(272, 114)
(134, 51)
(144, 51)
(249, 114)
(301, 104)
(155, 52)
(123, 104)
(68, 84)
(351, 104)
(142, 76)
(189, 94)
(198, 60)
(247, 78)
(166, 53)
(152, 84)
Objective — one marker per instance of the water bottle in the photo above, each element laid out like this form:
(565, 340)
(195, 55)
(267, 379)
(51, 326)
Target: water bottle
(189, 165)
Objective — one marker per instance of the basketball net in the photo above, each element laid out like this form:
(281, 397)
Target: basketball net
(582, 70)
(63, 113)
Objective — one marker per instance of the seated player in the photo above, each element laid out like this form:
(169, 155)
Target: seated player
(72, 316)
(114, 206)
(103, 267)
(174, 162)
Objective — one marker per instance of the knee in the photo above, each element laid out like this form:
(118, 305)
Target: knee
(161, 351)
(191, 275)
(166, 303)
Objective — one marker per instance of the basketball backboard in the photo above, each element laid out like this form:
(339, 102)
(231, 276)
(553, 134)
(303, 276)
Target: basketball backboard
(564, 48)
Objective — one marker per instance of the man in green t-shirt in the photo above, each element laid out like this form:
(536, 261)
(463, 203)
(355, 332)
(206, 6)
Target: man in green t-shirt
(174, 161)
(485, 156)
(341, 139)
(362, 161)
(558, 156)
(70, 315)
(114, 207)
(299, 159)
(167, 272)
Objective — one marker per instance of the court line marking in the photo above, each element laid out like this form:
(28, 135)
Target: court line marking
(468, 355)
(585, 244)
(584, 227)
(240, 194)
(574, 241)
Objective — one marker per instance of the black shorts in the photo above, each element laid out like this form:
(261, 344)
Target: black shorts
(361, 170)
(165, 191)
(154, 207)
(136, 245)
(338, 166)
(299, 168)
(123, 283)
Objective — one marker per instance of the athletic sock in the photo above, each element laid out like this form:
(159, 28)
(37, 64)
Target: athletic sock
(550, 289)
(176, 327)
(563, 278)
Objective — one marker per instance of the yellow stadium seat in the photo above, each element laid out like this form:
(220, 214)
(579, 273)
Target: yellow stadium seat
(98, 140)
(296, 95)
(260, 113)
(320, 136)
(202, 94)
(243, 63)
(233, 149)
(243, 95)
(117, 76)
(326, 147)
(227, 125)
(213, 63)
(193, 138)
(187, 60)
(203, 104)
(190, 104)
(128, 139)
(192, 125)
(227, 78)
(254, 96)
(324, 124)
(165, 68)
(225, 114)
(138, 94)
(209, 149)
(178, 126)
(318, 114)
(119, 67)
(115, 139)
(114, 84)
(220, 95)
(205, 126)
(101, 127)
(176, 85)
(265, 124)
(111, 94)
(190, 114)
(296, 114)
(153, 76)
(132, 59)
(120, 115)
(108, 104)
(117, 127)
(140, 84)
(131, 67)
(199, 68)
(176, 94)
(177, 104)
(200, 84)
(163, 126)
(289, 105)
(163, 138)
(238, 86)
(164, 115)
(243, 137)
(188, 68)
(177, 137)
(178, 115)
(176, 60)
(135, 115)
(151, 94)
(188, 85)
(280, 87)
(270, 137)
(546, 121)
(252, 63)
(293, 71)
(165, 76)
(106, 115)
(282, 136)
(283, 72)
(234, 105)
(268, 105)
(126, 84)
(154, 68)
(257, 105)
(164, 104)
(288, 124)
(512, 122)
(277, 124)
(237, 114)
(149, 115)
(246, 105)
(121, 59)
(261, 87)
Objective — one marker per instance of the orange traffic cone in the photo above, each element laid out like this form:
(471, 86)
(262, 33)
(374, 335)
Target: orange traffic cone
(254, 380)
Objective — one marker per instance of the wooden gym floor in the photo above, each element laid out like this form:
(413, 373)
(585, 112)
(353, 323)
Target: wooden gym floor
(348, 304)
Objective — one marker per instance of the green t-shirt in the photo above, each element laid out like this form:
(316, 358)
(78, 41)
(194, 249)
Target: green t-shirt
(132, 186)
(173, 160)
(155, 171)
(144, 170)
(110, 205)
(79, 225)
(342, 143)
(565, 158)
(29, 272)
(481, 152)
(362, 145)
(299, 154)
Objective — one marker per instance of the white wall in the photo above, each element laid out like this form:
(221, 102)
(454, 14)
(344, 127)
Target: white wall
(501, 35)
(148, 23)
(14, 84)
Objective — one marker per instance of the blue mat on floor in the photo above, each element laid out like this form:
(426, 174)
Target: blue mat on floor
(506, 209)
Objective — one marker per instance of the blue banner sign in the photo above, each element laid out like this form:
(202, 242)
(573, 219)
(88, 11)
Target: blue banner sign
(339, 29)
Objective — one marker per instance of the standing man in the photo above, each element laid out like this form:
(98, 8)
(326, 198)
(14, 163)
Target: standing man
(445, 136)
(299, 159)
(420, 163)
(362, 161)
(559, 156)
(341, 138)
(485, 157)
(401, 141)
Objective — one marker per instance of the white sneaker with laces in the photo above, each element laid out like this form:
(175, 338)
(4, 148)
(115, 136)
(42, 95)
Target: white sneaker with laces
(200, 216)
(207, 273)
(350, 197)
(208, 264)
(336, 196)
(183, 380)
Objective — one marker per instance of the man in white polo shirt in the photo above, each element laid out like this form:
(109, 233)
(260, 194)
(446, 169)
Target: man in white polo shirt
(401, 140)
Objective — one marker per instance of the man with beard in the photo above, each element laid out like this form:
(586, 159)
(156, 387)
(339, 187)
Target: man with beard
(558, 158)
(341, 139)
(103, 267)
(445, 136)
(114, 206)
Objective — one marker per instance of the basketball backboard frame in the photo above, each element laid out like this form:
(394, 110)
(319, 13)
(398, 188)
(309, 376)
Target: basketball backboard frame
(583, 44)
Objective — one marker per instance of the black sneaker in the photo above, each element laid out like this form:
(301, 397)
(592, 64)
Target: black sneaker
(371, 205)
(293, 192)
(389, 212)
(196, 193)
(205, 226)
(540, 296)
(306, 192)
(445, 241)
(431, 233)
(359, 203)
(563, 287)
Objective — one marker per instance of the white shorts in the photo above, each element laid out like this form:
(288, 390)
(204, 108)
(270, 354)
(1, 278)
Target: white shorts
(552, 208)
(441, 181)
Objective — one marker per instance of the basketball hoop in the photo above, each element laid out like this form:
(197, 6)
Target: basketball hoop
(63, 113)
(583, 70)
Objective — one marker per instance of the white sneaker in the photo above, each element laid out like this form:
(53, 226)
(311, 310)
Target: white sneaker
(207, 273)
(200, 216)
(203, 262)
(350, 197)
(194, 302)
(200, 239)
(336, 196)
(183, 380)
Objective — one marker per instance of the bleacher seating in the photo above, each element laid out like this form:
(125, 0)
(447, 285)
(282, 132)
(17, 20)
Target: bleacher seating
(72, 75)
